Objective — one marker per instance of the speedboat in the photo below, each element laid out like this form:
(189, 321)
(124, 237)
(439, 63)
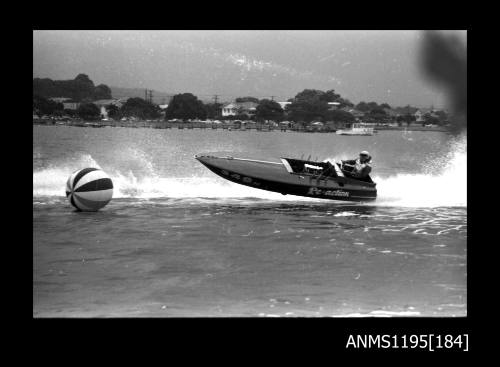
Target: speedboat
(290, 176)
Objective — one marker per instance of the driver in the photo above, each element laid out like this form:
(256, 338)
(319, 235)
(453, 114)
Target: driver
(361, 167)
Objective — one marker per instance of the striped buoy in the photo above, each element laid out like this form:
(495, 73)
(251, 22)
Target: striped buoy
(89, 189)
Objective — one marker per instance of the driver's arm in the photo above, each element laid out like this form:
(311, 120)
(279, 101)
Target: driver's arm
(349, 161)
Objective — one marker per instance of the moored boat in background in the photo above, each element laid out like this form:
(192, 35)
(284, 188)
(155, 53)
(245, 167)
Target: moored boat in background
(356, 129)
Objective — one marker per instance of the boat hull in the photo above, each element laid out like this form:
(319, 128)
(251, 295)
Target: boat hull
(274, 176)
(348, 132)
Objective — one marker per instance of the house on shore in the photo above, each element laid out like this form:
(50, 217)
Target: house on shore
(230, 109)
(71, 105)
(284, 104)
(102, 104)
(68, 103)
(163, 109)
(356, 113)
(332, 106)
(59, 99)
(237, 108)
(421, 114)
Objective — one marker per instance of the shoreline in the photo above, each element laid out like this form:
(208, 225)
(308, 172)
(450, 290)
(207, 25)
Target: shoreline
(220, 126)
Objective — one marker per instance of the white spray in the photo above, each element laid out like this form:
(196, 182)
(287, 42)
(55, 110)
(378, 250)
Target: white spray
(444, 185)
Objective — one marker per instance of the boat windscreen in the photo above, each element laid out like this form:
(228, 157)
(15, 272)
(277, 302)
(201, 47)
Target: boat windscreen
(299, 166)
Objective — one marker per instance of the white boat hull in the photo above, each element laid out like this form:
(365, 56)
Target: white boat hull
(347, 132)
(357, 129)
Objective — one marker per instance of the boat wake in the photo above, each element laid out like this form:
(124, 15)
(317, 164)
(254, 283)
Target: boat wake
(446, 188)
(443, 186)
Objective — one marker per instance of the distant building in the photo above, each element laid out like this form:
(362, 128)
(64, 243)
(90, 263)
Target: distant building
(284, 104)
(106, 102)
(60, 99)
(71, 105)
(163, 109)
(421, 112)
(68, 103)
(235, 108)
(102, 104)
(356, 113)
(419, 115)
(333, 105)
(229, 109)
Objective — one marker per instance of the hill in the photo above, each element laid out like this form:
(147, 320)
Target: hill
(79, 89)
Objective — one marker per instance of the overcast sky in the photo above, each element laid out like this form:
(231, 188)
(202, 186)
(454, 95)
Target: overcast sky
(381, 66)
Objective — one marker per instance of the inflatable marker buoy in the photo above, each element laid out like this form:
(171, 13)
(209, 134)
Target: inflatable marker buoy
(89, 189)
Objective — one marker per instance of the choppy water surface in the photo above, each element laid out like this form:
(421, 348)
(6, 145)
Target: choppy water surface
(177, 240)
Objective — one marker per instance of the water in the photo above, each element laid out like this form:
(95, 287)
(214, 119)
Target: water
(177, 240)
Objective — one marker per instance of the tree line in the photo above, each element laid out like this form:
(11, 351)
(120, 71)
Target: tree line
(307, 106)
(80, 89)
(133, 107)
